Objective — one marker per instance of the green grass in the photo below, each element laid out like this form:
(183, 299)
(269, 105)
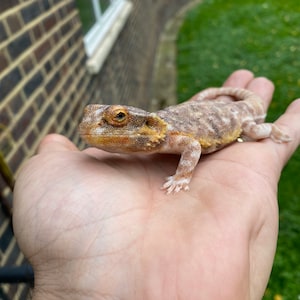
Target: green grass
(86, 13)
(218, 37)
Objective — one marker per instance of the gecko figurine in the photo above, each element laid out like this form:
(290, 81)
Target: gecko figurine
(204, 124)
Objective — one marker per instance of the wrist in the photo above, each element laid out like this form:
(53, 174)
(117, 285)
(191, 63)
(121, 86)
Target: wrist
(51, 293)
(68, 281)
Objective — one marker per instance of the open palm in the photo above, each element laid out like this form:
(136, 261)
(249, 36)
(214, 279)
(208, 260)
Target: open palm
(96, 225)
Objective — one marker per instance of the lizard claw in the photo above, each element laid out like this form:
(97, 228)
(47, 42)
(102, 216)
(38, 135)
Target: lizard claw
(175, 185)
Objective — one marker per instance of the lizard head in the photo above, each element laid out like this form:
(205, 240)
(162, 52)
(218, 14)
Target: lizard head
(117, 128)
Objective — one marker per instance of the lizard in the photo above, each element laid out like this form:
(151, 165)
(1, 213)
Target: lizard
(202, 125)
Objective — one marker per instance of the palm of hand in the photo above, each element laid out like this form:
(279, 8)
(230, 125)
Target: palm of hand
(105, 213)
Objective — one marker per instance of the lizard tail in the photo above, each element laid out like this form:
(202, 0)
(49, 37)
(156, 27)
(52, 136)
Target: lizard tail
(238, 93)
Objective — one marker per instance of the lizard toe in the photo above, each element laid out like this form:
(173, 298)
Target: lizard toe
(175, 185)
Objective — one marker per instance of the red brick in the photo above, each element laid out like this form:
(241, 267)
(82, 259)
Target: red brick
(14, 23)
(31, 12)
(48, 66)
(17, 159)
(27, 64)
(42, 50)
(3, 33)
(49, 22)
(33, 83)
(23, 123)
(9, 82)
(45, 5)
(19, 45)
(4, 118)
(60, 53)
(3, 61)
(6, 237)
(70, 7)
(39, 101)
(64, 111)
(52, 83)
(31, 139)
(37, 31)
(6, 4)
(56, 38)
(66, 28)
(47, 115)
(14, 254)
(16, 103)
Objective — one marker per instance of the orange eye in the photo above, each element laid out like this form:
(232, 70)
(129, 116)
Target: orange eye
(117, 115)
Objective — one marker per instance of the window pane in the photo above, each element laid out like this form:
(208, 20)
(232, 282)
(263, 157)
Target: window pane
(86, 13)
(104, 4)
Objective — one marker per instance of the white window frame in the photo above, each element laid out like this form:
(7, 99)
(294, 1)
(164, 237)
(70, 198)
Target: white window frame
(101, 37)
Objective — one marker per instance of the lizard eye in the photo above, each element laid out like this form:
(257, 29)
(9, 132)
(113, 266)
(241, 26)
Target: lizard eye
(117, 115)
(120, 116)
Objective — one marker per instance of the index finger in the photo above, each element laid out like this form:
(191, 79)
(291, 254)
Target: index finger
(239, 79)
(55, 142)
(261, 86)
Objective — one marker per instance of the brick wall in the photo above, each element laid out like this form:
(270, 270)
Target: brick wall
(44, 84)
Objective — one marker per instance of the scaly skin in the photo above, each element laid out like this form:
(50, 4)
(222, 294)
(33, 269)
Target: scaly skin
(206, 123)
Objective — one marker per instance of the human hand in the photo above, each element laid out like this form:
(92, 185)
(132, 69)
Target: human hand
(95, 225)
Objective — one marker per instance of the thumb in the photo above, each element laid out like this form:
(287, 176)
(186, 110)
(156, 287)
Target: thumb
(56, 143)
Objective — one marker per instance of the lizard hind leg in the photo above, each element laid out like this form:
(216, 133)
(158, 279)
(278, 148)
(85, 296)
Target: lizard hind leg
(265, 130)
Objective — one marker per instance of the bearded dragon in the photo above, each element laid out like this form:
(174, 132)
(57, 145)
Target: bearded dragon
(204, 124)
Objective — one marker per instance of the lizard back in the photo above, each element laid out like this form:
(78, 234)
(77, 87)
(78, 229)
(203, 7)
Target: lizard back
(214, 123)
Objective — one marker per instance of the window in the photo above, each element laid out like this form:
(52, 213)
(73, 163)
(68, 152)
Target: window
(102, 21)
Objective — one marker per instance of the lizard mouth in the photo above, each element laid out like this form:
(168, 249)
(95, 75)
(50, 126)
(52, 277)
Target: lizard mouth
(119, 143)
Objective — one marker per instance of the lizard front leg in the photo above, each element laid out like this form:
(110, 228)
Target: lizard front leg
(190, 150)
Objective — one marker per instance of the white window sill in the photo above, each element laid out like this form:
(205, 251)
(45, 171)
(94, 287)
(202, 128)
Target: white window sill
(101, 38)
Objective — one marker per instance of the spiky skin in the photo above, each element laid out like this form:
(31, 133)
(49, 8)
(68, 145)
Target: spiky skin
(204, 124)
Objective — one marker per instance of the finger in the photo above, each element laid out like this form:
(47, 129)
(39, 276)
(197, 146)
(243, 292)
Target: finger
(240, 79)
(264, 88)
(56, 142)
(289, 122)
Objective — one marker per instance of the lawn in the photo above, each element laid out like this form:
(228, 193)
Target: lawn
(218, 37)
